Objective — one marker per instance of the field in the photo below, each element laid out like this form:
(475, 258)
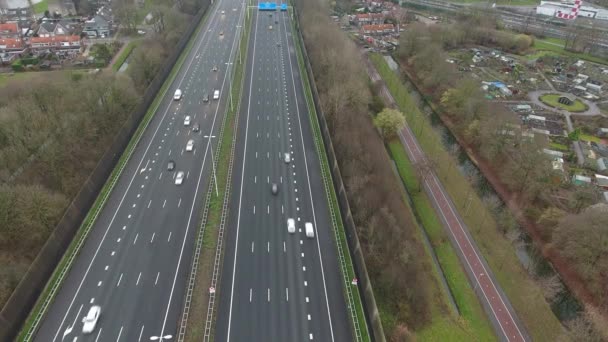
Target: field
(525, 296)
(552, 100)
(556, 46)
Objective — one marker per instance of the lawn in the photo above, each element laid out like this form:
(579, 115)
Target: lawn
(591, 138)
(41, 7)
(5, 78)
(473, 321)
(123, 55)
(559, 147)
(523, 293)
(553, 45)
(552, 100)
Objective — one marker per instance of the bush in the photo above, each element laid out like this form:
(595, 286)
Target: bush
(17, 66)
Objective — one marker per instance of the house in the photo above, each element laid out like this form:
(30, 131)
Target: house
(601, 181)
(558, 164)
(10, 30)
(602, 132)
(66, 43)
(581, 180)
(22, 16)
(369, 19)
(376, 30)
(523, 108)
(556, 154)
(594, 87)
(11, 48)
(97, 27)
(602, 164)
(52, 28)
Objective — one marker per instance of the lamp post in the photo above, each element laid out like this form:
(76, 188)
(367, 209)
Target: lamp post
(212, 162)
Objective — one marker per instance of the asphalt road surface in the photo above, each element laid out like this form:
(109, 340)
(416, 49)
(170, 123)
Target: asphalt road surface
(275, 285)
(135, 261)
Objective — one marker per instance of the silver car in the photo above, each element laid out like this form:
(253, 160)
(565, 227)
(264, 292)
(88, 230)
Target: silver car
(90, 320)
(179, 178)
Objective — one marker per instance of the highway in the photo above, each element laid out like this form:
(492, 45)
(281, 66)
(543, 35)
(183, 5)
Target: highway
(275, 285)
(135, 261)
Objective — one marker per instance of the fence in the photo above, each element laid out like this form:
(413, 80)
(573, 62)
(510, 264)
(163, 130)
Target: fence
(26, 293)
(365, 287)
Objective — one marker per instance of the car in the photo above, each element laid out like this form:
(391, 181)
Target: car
(270, 27)
(287, 158)
(291, 225)
(206, 98)
(276, 22)
(216, 95)
(190, 145)
(234, 9)
(187, 120)
(90, 320)
(274, 189)
(223, 12)
(178, 95)
(141, 32)
(214, 68)
(196, 127)
(310, 231)
(221, 33)
(170, 165)
(179, 178)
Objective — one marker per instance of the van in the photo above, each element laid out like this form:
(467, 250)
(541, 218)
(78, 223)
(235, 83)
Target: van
(310, 231)
(177, 95)
(216, 95)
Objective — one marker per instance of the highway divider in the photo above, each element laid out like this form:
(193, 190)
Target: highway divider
(36, 291)
(343, 225)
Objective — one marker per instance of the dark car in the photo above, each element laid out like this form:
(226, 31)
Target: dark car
(196, 127)
(206, 98)
(275, 188)
(170, 165)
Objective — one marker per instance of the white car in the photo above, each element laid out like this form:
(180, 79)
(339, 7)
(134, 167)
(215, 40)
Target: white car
(90, 320)
(310, 231)
(178, 95)
(216, 94)
(291, 225)
(287, 158)
(187, 120)
(223, 12)
(190, 145)
(179, 178)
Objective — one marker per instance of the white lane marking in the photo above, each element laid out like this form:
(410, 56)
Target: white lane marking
(145, 167)
(302, 254)
(284, 249)
(156, 281)
(140, 333)
(305, 283)
(307, 299)
(303, 268)
(268, 295)
(309, 317)
(287, 293)
(310, 336)
(179, 203)
(135, 240)
(281, 179)
(250, 294)
(138, 277)
(268, 209)
(98, 334)
(106, 268)
(241, 189)
(119, 279)
(124, 227)
(118, 240)
(119, 333)
(69, 329)
(255, 179)
(113, 252)
(169, 152)
(169, 239)
(268, 155)
(254, 210)
(256, 155)
(165, 202)
(268, 179)
(160, 176)
(252, 246)
(268, 246)
(153, 235)
(150, 201)
(187, 174)
(99, 283)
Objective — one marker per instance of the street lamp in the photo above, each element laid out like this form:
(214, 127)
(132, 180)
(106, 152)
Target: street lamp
(160, 338)
(230, 79)
(212, 162)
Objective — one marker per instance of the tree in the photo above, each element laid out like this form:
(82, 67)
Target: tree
(101, 52)
(389, 121)
(424, 169)
(126, 15)
(527, 169)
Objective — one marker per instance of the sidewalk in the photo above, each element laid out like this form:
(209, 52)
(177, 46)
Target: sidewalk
(495, 302)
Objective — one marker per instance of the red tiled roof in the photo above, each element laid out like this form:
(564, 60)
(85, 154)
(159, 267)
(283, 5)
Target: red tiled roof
(370, 16)
(11, 43)
(55, 39)
(9, 27)
(378, 27)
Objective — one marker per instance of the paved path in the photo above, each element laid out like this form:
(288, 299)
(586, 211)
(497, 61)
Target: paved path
(591, 111)
(500, 311)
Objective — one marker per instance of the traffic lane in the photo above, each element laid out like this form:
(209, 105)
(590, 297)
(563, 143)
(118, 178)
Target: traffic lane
(67, 299)
(502, 315)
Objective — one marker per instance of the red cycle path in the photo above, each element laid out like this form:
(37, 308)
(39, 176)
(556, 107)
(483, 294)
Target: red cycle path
(483, 280)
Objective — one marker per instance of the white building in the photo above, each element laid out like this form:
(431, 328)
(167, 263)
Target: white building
(550, 8)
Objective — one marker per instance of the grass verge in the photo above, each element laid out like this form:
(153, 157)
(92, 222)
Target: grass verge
(200, 296)
(552, 100)
(124, 55)
(81, 234)
(556, 46)
(473, 323)
(523, 293)
(333, 201)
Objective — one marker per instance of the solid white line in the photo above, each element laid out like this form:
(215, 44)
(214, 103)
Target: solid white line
(165, 202)
(331, 329)
(141, 333)
(119, 279)
(254, 210)
(119, 333)
(169, 239)
(98, 334)
(284, 249)
(139, 276)
(179, 203)
(268, 209)
(252, 246)
(268, 295)
(287, 293)
(238, 221)
(156, 281)
(135, 240)
(160, 176)
(150, 201)
(153, 235)
(250, 294)
(268, 246)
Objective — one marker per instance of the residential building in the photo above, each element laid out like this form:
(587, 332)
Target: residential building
(11, 48)
(369, 19)
(602, 164)
(601, 181)
(602, 132)
(10, 30)
(52, 28)
(67, 43)
(22, 16)
(376, 30)
(96, 27)
(581, 180)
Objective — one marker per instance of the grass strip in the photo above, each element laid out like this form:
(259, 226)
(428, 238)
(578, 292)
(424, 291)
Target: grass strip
(74, 247)
(524, 294)
(124, 55)
(473, 322)
(200, 295)
(333, 201)
(556, 46)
